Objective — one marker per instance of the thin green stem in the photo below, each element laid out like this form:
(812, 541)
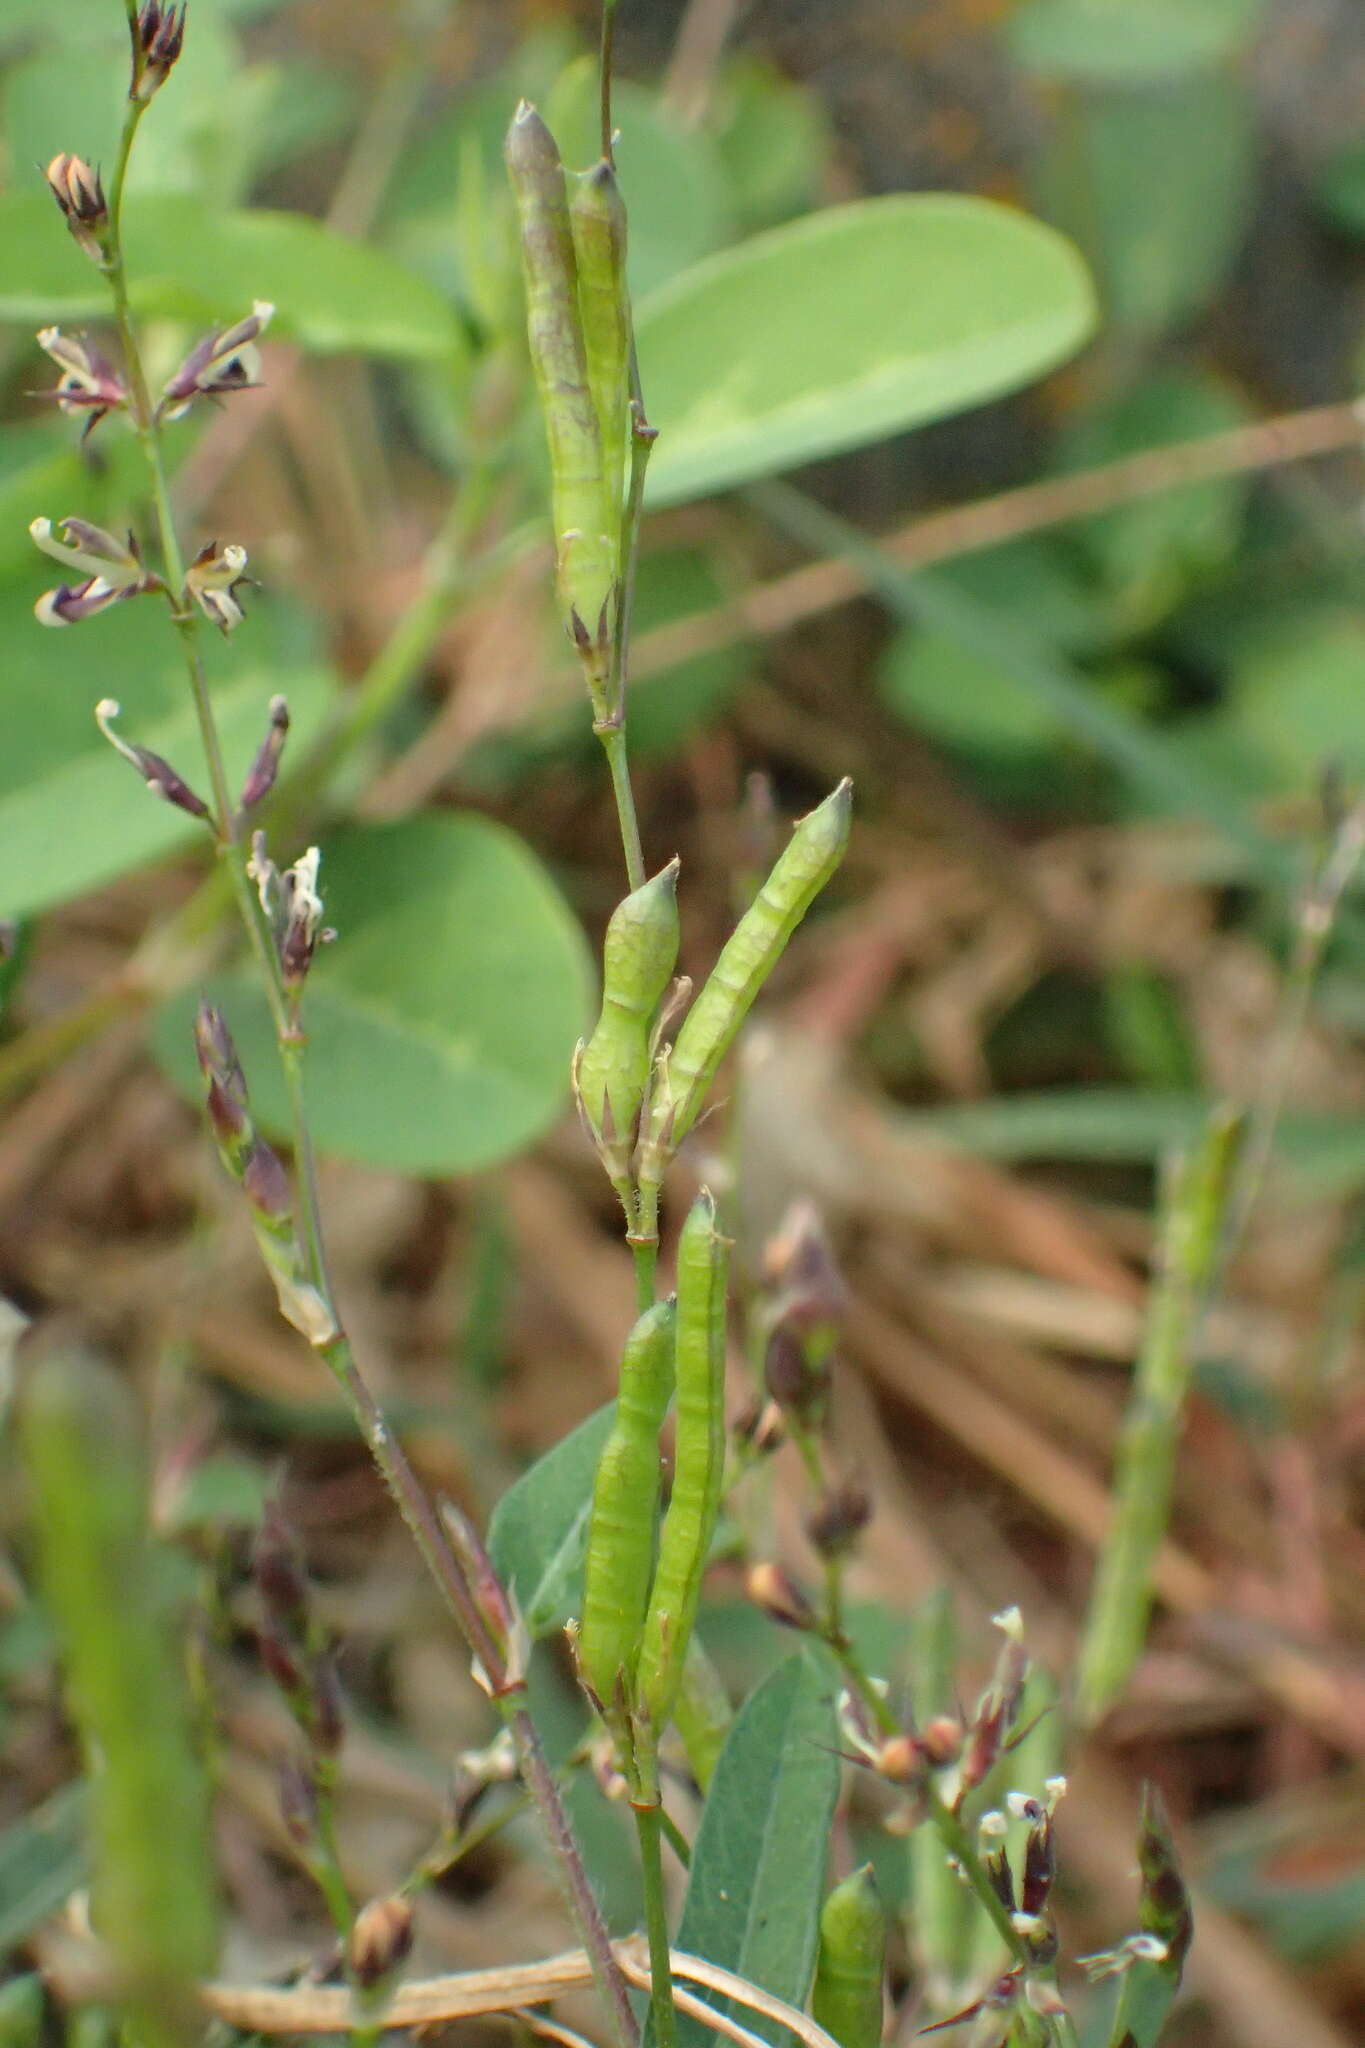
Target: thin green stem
(410, 1497)
(613, 740)
(649, 1828)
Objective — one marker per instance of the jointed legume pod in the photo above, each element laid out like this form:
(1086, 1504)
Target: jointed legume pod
(847, 1997)
(638, 958)
(809, 859)
(585, 550)
(625, 1501)
(597, 220)
(699, 1460)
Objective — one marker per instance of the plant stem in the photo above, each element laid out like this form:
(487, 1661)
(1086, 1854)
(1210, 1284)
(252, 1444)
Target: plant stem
(410, 1497)
(662, 2011)
(613, 740)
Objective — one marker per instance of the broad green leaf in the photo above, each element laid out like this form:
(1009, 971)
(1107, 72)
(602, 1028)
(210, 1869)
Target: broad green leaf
(1130, 39)
(442, 1021)
(188, 262)
(758, 1867)
(538, 1536)
(847, 326)
(1161, 242)
(73, 816)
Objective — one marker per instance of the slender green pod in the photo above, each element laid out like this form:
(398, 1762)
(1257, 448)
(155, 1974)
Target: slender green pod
(847, 1996)
(752, 951)
(585, 554)
(699, 1462)
(597, 220)
(625, 1501)
(611, 1070)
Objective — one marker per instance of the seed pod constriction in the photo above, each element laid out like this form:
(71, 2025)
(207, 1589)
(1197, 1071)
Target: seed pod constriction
(847, 1996)
(597, 221)
(752, 951)
(638, 958)
(699, 1461)
(625, 1501)
(585, 554)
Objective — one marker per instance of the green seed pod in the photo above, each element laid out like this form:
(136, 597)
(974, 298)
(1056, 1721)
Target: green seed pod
(699, 1462)
(811, 855)
(584, 550)
(597, 219)
(638, 958)
(847, 1998)
(625, 1501)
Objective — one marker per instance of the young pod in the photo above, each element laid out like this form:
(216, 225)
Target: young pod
(847, 1996)
(585, 552)
(597, 221)
(699, 1461)
(755, 946)
(625, 1502)
(638, 959)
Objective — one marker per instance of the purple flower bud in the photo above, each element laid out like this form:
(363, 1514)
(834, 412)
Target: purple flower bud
(155, 772)
(379, 1941)
(158, 34)
(80, 195)
(225, 361)
(263, 770)
(266, 1184)
(298, 1804)
(839, 1517)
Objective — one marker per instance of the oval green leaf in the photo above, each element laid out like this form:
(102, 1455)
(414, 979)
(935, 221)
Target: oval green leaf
(758, 1868)
(187, 262)
(442, 1022)
(846, 326)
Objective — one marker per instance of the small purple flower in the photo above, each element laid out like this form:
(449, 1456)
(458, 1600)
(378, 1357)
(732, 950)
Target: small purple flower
(213, 580)
(110, 570)
(89, 383)
(225, 361)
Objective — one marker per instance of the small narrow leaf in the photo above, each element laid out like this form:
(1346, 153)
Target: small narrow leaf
(758, 1869)
(539, 1531)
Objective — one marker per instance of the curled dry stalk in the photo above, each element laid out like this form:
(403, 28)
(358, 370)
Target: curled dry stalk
(281, 918)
